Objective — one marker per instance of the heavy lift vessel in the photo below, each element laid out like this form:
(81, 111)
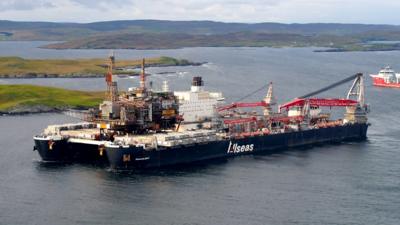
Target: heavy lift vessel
(143, 128)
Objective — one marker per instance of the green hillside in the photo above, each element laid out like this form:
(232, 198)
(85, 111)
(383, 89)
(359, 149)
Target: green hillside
(13, 97)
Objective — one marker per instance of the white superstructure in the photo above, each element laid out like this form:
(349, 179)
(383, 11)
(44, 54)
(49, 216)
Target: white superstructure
(198, 105)
(388, 75)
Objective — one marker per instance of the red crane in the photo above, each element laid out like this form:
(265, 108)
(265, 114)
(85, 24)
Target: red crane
(330, 102)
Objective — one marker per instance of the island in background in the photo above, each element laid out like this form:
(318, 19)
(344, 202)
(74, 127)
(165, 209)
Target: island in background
(161, 34)
(16, 67)
(21, 99)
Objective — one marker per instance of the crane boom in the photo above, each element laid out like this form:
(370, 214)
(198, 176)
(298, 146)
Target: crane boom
(331, 86)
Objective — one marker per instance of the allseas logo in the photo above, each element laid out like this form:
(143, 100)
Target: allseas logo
(236, 148)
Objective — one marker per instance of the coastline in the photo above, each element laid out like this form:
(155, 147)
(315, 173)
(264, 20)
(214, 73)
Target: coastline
(363, 47)
(30, 110)
(333, 50)
(358, 48)
(78, 68)
(37, 109)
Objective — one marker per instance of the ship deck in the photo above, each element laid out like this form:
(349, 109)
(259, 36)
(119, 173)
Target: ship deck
(90, 134)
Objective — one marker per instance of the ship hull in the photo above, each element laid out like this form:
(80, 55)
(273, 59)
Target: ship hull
(380, 82)
(52, 150)
(131, 157)
(60, 150)
(128, 157)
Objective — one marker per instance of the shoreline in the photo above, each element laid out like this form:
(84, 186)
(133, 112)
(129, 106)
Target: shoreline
(70, 68)
(32, 112)
(344, 50)
(3, 113)
(339, 49)
(37, 109)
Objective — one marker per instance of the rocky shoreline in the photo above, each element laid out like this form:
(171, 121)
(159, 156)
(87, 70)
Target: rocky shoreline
(45, 75)
(23, 110)
(36, 109)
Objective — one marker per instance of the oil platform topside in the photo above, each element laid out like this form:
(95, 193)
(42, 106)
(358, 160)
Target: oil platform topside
(139, 110)
(146, 128)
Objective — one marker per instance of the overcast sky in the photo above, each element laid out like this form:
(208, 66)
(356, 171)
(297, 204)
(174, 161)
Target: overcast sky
(286, 11)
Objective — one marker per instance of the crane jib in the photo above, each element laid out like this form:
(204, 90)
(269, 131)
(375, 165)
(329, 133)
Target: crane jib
(331, 86)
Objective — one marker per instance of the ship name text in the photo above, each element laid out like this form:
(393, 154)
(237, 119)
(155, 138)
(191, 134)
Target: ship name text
(236, 148)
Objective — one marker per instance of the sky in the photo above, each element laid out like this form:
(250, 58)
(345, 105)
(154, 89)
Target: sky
(248, 11)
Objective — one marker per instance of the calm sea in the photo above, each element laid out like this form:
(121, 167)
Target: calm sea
(351, 183)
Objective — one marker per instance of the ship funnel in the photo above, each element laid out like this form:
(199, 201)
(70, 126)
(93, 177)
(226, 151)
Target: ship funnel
(197, 84)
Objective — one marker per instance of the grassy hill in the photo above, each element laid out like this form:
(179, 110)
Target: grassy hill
(173, 40)
(31, 98)
(11, 67)
(69, 31)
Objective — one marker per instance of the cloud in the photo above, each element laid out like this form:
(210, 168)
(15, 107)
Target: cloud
(103, 4)
(6, 5)
(286, 11)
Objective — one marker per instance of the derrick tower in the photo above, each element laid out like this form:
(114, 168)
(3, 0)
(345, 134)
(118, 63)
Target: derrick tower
(112, 88)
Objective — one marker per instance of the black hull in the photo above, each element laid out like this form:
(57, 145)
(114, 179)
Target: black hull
(63, 151)
(128, 157)
(56, 153)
